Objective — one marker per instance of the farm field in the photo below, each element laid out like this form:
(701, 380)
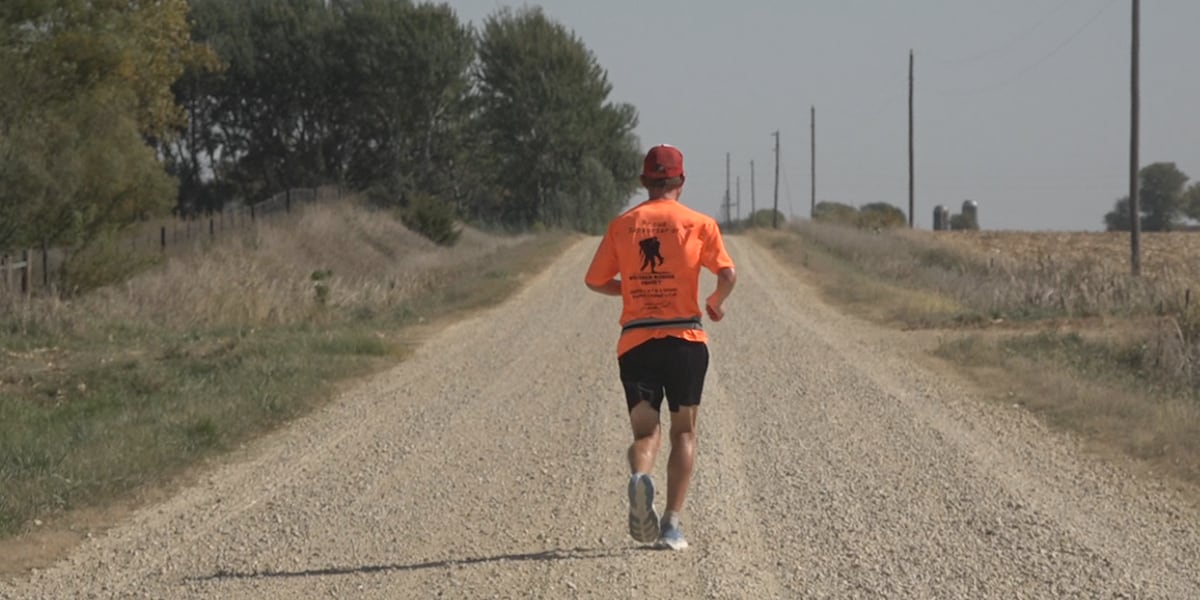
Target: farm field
(1171, 254)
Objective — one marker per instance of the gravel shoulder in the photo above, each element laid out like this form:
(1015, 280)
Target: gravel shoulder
(491, 464)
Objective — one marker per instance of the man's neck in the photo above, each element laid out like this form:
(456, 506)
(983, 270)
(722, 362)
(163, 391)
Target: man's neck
(668, 195)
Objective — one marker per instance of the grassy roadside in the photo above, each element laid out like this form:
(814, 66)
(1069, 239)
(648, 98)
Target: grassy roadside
(124, 389)
(1117, 371)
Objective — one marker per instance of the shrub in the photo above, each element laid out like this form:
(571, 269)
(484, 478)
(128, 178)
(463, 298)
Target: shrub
(432, 218)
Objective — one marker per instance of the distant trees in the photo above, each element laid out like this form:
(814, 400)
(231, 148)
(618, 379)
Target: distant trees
(509, 125)
(1162, 201)
(765, 217)
(112, 111)
(875, 215)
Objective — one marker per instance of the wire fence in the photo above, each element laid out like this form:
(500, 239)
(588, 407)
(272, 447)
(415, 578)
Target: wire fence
(31, 271)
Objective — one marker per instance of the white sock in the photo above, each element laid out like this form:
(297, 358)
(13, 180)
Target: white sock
(672, 517)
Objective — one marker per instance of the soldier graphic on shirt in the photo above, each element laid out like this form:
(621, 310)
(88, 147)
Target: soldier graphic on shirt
(651, 253)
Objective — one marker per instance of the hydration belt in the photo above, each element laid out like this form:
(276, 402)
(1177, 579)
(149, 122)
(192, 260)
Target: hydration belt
(686, 323)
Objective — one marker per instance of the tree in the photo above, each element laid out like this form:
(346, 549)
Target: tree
(544, 116)
(83, 86)
(880, 215)
(1191, 201)
(1118, 218)
(406, 73)
(835, 212)
(1160, 200)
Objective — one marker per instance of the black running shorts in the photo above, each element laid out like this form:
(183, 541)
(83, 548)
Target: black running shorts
(671, 366)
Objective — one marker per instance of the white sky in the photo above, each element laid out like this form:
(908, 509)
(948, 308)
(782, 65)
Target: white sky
(1021, 105)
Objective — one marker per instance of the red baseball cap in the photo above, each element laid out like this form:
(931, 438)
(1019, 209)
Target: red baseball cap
(663, 161)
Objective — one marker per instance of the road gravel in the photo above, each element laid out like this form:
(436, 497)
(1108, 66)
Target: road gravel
(831, 464)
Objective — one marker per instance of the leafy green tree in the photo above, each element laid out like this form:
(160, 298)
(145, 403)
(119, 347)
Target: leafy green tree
(405, 72)
(372, 93)
(83, 86)
(1160, 200)
(548, 126)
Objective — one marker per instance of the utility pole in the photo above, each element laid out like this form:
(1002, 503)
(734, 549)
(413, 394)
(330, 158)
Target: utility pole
(813, 167)
(752, 192)
(911, 186)
(728, 199)
(739, 198)
(775, 215)
(1135, 220)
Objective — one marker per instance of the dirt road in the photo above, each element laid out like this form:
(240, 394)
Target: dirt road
(491, 464)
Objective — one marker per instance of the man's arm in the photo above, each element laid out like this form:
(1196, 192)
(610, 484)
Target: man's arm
(726, 280)
(612, 287)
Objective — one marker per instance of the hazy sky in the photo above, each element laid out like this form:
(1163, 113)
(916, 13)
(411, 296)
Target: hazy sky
(1021, 105)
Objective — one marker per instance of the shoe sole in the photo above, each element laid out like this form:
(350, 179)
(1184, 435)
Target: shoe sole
(643, 520)
(680, 544)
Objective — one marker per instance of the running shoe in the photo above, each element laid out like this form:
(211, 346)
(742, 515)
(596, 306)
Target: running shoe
(672, 535)
(643, 520)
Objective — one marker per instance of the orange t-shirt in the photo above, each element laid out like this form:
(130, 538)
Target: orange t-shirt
(658, 248)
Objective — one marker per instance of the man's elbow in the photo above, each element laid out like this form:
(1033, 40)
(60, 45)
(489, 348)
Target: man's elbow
(727, 275)
(592, 286)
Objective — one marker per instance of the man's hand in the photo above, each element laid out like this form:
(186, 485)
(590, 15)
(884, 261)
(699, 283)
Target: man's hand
(611, 287)
(714, 309)
(714, 306)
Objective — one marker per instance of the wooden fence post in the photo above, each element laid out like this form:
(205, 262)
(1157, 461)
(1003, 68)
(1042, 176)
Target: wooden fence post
(45, 265)
(4, 267)
(212, 232)
(25, 272)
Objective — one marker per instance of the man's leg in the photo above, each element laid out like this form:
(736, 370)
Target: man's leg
(679, 475)
(683, 454)
(644, 525)
(646, 438)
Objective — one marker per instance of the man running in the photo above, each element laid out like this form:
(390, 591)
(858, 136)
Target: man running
(657, 248)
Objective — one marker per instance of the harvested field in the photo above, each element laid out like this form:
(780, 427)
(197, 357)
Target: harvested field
(1165, 256)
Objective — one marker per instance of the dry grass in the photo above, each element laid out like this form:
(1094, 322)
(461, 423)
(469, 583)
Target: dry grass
(1050, 320)
(122, 388)
(1085, 271)
(363, 260)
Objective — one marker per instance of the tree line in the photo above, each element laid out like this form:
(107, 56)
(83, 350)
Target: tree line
(1165, 201)
(115, 110)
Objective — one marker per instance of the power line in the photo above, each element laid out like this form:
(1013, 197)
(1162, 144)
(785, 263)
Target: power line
(1039, 62)
(1012, 42)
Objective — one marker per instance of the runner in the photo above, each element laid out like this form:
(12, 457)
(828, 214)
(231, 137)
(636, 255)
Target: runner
(657, 248)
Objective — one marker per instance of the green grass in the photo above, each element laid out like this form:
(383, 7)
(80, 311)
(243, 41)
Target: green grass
(89, 414)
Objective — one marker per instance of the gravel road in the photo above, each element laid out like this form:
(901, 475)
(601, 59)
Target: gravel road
(491, 464)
